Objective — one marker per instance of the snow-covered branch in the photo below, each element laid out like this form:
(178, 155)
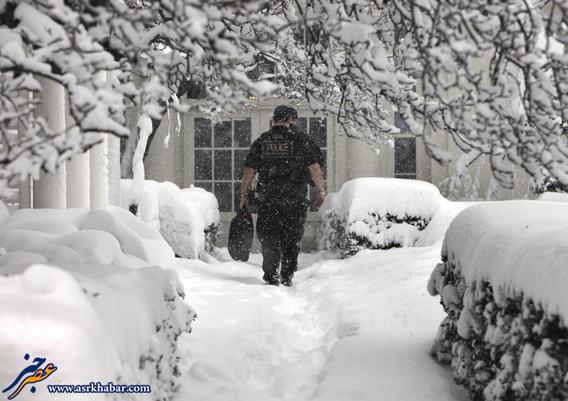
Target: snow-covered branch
(491, 75)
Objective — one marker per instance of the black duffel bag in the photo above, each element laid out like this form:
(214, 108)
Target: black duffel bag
(240, 235)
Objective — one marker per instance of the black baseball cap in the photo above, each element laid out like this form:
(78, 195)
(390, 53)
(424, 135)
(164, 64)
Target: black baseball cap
(285, 112)
(293, 112)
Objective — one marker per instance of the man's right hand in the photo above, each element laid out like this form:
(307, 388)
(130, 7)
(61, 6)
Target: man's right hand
(248, 176)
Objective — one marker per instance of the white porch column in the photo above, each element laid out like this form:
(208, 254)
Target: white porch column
(113, 159)
(99, 173)
(50, 190)
(98, 159)
(78, 176)
(114, 169)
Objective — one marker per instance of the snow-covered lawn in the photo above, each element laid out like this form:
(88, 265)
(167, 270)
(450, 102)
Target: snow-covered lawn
(354, 329)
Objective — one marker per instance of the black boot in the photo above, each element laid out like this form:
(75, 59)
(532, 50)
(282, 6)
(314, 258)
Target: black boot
(287, 280)
(270, 280)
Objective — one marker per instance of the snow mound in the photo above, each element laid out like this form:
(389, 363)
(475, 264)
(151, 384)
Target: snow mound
(88, 290)
(554, 197)
(381, 213)
(385, 196)
(208, 208)
(205, 203)
(502, 282)
(445, 214)
(187, 219)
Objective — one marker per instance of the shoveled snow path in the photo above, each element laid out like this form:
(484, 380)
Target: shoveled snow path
(355, 329)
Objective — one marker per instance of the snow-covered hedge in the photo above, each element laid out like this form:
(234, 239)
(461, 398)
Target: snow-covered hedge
(208, 208)
(380, 213)
(554, 197)
(502, 283)
(90, 292)
(188, 219)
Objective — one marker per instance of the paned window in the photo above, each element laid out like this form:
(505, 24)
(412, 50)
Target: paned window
(404, 150)
(219, 154)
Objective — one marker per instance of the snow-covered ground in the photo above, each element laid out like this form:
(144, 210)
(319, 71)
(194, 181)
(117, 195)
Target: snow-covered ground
(353, 329)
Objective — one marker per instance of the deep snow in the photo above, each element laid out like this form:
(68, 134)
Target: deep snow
(517, 246)
(353, 329)
(90, 291)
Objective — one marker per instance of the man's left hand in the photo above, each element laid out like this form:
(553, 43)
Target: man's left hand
(320, 199)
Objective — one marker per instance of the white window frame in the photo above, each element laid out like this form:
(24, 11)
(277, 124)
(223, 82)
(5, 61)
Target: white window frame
(233, 181)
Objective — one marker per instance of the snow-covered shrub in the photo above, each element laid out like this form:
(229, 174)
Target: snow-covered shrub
(378, 213)
(208, 208)
(89, 290)
(187, 219)
(542, 182)
(502, 283)
(554, 197)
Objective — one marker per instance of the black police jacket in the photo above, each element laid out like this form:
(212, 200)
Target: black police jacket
(281, 157)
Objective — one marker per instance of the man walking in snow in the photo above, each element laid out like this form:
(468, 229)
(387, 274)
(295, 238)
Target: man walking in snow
(285, 161)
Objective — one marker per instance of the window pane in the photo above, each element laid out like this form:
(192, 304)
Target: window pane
(302, 124)
(202, 133)
(318, 130)
(240, 156)
(207, 185)
(202, 164)
(223, 165)
(236, 196)
(401, 124)
(223, 192)
(405, 155)
(243, 130)
(223, 135)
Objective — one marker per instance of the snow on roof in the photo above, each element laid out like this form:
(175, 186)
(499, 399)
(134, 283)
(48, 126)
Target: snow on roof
(518, 246)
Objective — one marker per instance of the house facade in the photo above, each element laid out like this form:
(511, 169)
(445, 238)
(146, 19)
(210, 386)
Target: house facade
(191, 149)
(194, 150)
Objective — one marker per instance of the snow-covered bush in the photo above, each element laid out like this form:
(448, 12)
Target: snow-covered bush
(378, 213)
(89, 290)
(543, 182)
(502, 283)
(188, 219)
(554, 197)
(208, 207)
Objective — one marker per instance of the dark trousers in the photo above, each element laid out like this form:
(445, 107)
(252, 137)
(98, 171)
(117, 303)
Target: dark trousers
(280, 228)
